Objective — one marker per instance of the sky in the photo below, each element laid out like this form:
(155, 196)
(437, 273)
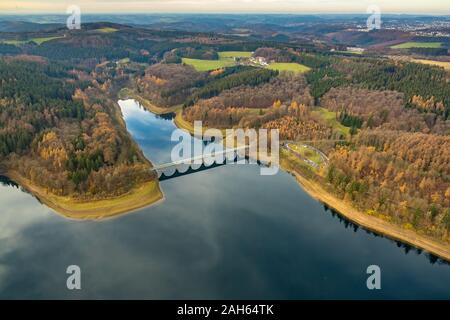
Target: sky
(224, 6)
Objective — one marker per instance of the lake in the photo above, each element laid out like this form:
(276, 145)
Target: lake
(224, 233)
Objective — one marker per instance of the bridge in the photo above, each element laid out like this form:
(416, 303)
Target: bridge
(203, 162)
(199, 163)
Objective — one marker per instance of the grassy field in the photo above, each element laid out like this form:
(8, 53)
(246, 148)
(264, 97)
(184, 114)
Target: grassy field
(42, 40)
(295, 67)
(124, 61)
(106, 30)
(233, 54)
(208, 65)
(351, 52)
(14, 42)
(290, 163)
(330, 118)
(225, 60)
(307, 153)
(38, 41)
(409, 45)
(445, 65)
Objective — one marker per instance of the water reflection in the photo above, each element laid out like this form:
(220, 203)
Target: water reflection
(166, 116)
(406, 247)
(5, 181)
(225, 233)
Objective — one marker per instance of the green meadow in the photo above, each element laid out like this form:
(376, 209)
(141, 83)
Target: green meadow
(225, 60)
(106, 30)
(307, 153)
(295, 67)
(208, 65)
(38, 41)
(234, 54)
(409, 45)
(350, 52)
(330, 118)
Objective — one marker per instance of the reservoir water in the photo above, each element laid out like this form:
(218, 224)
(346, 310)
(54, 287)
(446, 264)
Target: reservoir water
(222, 233)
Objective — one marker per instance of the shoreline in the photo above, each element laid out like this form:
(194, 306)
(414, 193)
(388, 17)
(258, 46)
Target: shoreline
(150, 193)
(374, 224)
(126, 93)
(141, 196)
(145, 195)
(178, 120)
(438, 248)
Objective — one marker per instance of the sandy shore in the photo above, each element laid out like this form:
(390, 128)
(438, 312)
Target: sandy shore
(390, 230)
(140, 197)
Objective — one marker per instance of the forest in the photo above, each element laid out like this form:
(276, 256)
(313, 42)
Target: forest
(60, 126)
(61, 134)
(401, 175)
(395, 162)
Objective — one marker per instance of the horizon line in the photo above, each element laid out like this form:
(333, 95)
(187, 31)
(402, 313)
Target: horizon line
(227, 12)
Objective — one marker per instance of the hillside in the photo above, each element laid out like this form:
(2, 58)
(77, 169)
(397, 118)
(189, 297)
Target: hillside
(387, 122)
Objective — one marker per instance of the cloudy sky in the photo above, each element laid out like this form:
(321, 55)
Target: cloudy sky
(271, 6)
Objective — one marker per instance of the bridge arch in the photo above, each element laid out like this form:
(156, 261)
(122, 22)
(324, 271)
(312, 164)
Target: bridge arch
(188, 166)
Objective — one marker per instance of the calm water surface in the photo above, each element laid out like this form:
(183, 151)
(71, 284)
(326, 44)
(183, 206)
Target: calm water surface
(223, 233)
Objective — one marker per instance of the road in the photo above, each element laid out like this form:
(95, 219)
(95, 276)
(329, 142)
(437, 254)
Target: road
(308, 161)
